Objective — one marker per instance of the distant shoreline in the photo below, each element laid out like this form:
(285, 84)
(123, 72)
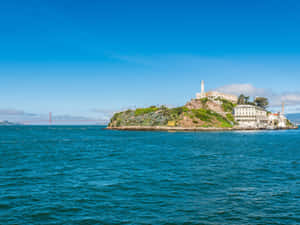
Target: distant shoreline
(165, 128)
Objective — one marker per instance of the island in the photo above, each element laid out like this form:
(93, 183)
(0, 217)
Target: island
(7, 123)
(209, 111)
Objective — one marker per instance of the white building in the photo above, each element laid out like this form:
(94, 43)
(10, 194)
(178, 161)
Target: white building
(277, 120)
(215, 95)
(250, 116)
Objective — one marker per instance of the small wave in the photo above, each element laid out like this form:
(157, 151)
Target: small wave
(5, 206)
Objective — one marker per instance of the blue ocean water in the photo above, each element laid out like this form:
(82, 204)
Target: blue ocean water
(87, 175)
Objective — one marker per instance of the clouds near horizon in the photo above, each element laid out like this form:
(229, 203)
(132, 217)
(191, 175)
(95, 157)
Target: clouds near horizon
(291, 99)
(15, 112)
(246, 89)
(17, 115)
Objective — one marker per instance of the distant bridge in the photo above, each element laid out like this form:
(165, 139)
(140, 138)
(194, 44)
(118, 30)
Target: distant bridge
(51, 121)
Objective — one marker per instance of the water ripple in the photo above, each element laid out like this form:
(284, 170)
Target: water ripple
(86, 175)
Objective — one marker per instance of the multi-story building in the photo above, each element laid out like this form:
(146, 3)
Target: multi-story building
(250, 116)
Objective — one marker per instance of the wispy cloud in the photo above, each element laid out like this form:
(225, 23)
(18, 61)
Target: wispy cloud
(292, 100)
(14, 112)
(70, 118)
(16, 115)
(246, 89)
(134, 59)
(106, 113)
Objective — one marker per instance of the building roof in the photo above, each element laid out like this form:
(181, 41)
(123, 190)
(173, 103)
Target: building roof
(250, 106)
(220, 93)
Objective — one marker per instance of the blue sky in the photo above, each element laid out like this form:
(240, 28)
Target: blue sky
(91, 58)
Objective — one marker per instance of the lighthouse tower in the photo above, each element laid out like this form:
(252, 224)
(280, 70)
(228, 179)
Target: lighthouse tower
(202, 89)
(202, 94)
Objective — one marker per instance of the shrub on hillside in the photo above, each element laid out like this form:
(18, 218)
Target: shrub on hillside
(141, 111)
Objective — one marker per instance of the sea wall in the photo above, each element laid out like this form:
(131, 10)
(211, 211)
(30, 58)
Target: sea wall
(166, 128)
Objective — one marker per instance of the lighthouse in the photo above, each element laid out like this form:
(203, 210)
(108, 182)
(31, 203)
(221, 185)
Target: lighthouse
(202, 88)
(202, 94)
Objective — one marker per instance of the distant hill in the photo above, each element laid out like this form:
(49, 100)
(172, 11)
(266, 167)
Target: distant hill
(295, 117)
(6, 123)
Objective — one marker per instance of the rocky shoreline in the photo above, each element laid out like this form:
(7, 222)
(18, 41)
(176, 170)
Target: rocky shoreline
(192, 129)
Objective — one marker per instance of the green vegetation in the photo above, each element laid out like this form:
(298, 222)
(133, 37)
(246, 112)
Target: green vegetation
(179, 116)
(244, 100)
(150, 116)
(178, 111)
(204, 100)
(261, 102)
(211, 118)
(241, 99)
(227, 105)
(289, 123)
(202, 114)
(224, 121)
(258, 101)
(230, 117)
(141, 111)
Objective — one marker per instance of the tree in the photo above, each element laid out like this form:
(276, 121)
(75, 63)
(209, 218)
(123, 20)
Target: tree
(247, 99)
(261, 102)
(241, 99)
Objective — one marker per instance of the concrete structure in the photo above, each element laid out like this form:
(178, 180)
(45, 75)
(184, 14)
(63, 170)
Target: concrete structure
(250, 116)
(277, 120)
(215, 95)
